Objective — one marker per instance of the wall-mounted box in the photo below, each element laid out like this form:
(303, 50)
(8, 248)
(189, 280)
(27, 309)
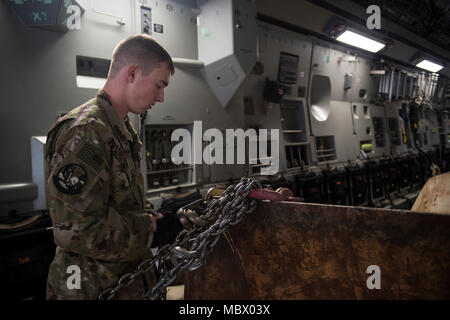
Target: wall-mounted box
(226, 44)
(38, 171)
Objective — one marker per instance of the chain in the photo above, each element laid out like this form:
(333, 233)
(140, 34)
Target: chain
(192, 245)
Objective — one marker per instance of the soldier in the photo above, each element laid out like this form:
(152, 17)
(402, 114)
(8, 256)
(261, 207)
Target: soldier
(95, 188)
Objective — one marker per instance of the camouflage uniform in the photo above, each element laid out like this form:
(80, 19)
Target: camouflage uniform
(95, 195)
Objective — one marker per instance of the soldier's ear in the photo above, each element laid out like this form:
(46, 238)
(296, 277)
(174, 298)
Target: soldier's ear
(131, 72)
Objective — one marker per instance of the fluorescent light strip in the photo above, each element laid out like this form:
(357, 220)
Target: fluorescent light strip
(428, 65)
(360, 41)
(90, 82)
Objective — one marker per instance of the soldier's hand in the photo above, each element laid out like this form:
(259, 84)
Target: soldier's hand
(155, 218)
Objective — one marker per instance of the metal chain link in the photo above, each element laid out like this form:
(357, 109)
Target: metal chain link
(191, 246)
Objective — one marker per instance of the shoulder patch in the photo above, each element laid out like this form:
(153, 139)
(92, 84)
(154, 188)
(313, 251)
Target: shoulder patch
(70, 179)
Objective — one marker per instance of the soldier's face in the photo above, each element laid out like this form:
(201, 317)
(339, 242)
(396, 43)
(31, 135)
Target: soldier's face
(145, 91)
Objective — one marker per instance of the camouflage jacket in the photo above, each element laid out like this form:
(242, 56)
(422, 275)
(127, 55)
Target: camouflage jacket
(95, 194)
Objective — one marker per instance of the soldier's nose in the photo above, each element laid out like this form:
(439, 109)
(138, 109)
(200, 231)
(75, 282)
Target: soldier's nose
(160, 97)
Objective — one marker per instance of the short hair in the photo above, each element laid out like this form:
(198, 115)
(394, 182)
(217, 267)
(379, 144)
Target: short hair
(142, 50)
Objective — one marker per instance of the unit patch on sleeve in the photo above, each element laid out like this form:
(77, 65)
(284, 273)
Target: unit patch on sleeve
(70, 179)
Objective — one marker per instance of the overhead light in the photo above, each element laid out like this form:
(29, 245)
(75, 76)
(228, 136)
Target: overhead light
(427, 62)
(360, 41)
(429, 66)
